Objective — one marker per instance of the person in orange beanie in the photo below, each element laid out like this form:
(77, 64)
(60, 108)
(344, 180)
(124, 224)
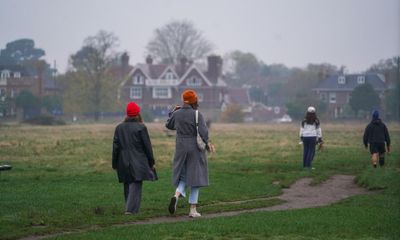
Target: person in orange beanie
(190, 167)
(132, 157)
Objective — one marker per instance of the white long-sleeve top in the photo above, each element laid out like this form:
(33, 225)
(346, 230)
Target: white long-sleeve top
(310, 130)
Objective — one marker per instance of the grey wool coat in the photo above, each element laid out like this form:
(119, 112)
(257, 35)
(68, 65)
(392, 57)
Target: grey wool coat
(132, 154)
(187, 153)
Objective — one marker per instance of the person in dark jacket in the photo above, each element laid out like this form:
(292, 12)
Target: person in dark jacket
(132, 157)
(376, 135)
(190, 167)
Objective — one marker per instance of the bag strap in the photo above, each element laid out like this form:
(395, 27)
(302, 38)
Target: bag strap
(197, 120)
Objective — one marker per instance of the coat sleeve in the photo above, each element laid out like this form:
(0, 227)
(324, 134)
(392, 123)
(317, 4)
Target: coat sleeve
(203, 130)
(387, 137)
(301, 131)
(147, 146)
(365, 137)
(319, 133)
(116, 149)
(171, 121)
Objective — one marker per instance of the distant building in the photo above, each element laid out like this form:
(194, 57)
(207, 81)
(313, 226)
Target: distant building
(16, 78)
(158, 87)
(254, 111)
(336, 89)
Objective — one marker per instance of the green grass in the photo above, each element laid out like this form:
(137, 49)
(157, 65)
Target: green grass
(62, 180)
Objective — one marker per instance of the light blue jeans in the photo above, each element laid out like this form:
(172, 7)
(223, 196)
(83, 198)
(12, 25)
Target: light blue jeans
(194, 191)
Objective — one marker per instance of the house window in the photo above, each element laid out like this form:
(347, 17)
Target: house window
(200, 97)
(5, 74)
(342, 80)
(323, 97)
(17, 75)
(332, 97)
(194, 82)
(2, 92)
(361, 79)
(161, 92)
(12, 93)
(138, 79)
(169, 76)
(136, 93)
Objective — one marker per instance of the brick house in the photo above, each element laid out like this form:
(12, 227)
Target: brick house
(16, 78)
(158, 87)
(336, 89)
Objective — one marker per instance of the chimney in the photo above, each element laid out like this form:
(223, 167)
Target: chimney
(184, 62)
(149, 60)
(182, 67)
(125, 60)
(214, 68)
(124, 64)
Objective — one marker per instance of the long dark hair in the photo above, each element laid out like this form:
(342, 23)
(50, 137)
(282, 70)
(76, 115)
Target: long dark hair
(311, 118)
(137, 118)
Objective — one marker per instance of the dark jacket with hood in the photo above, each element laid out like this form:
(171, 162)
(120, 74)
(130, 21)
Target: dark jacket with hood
(376, 132)
(132, 155)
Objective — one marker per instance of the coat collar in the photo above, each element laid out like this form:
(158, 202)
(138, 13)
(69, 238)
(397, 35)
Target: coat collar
(187, 106)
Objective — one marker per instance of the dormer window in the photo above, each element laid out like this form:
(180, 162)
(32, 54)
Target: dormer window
(193, 81)
(169, 76)
(361, 79)
(138, 79)
(5, 74)
(342, 80)
(17, 75)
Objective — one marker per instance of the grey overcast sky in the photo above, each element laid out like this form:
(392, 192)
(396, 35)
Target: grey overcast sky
(354, 33)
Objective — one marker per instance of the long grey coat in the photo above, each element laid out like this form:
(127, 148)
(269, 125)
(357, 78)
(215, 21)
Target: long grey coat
(132, 155)
(186, 150)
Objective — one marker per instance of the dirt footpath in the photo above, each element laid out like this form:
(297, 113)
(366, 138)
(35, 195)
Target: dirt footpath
(299, 195)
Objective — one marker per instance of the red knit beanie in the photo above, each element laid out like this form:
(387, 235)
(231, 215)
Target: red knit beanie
(189, 96)
(132, 109)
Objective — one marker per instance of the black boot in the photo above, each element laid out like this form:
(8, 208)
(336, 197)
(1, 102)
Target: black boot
(381, 161)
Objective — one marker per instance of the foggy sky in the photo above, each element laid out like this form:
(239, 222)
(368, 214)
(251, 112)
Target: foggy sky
(354, 33)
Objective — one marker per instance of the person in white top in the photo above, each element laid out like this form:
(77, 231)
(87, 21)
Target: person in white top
(310, 135)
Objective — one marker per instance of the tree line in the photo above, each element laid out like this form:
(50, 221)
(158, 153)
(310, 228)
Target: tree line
(89, 85)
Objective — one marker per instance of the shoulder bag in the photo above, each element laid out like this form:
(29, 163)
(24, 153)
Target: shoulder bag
(200, 143)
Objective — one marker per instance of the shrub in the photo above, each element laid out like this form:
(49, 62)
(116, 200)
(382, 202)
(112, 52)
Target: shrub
(44, 120)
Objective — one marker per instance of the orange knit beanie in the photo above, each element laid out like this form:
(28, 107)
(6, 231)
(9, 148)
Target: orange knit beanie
(189, 96)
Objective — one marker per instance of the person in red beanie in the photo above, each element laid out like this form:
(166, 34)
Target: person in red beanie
(190, 167)
(132, 157)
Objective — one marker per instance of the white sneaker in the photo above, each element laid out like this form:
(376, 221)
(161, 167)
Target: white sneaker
(194, 214)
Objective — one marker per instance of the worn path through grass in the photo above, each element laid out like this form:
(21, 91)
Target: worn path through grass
(300, 195)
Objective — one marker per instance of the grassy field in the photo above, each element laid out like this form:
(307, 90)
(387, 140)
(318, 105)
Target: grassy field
(62, 180)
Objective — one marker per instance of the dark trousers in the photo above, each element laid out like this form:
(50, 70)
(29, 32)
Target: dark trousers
(309, 150)
(133, 196)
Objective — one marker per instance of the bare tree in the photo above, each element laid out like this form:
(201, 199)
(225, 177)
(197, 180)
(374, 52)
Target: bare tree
(177, 39)
(89, 79)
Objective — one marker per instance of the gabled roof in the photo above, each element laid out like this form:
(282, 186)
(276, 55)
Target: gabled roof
(332, 84)
(153, 71)
(166, 70)
(194, 68)
(135, 69)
